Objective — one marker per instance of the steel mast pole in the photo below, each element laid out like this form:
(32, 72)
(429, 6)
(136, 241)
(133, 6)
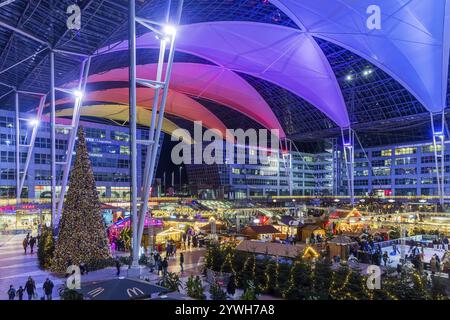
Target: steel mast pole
(16, 102)
(133, 131)
(53, 137)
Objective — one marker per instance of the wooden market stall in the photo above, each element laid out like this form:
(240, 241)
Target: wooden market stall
(311, 229)
(340, 246)
(264, 233)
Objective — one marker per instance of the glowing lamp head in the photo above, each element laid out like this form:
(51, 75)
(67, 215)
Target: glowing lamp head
(78, 94)
(170, 30)
(33, 122)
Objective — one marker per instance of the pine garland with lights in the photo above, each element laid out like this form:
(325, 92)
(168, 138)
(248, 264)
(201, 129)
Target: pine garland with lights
(82, 235)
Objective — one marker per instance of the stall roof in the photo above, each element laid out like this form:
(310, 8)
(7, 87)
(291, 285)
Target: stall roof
(267, 229)
(272, 249)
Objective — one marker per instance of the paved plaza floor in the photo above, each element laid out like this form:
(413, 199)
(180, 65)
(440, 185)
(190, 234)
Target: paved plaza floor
(16, 267)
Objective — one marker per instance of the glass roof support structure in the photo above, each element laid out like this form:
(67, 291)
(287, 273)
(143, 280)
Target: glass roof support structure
(165, 33)
(6, 2)
(53, 138)
(17, 120)
(335, 165)
(73, 128)
(438, 128)
(286, 155)
(135, 245)
(348, 142)
(21, 176)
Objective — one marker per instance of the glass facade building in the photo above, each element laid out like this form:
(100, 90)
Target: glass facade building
(402, 170)
(108, 147)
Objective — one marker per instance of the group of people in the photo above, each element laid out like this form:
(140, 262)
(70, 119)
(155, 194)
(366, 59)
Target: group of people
(161, 265)
(441, 243)
(190, 240)
(29, 241)
(367, 250)
(171, 249)
(318, 238)
(30, 289)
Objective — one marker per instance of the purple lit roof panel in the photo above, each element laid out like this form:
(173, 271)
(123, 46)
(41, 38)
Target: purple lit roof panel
(284, 56)
(209, 82)
(412, 44)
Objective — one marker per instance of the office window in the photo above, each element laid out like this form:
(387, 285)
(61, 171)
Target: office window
(7, 139)
(427, 159)
(361, 173)
(405, 171)
(95, 133)
(44, 143)
(381, 182)
(430, 148)
(381, 163)
(125, 150)
(123, 163)
(40, 158)
(381, 171)
(361, 182)
(405, 181)
(6, 122)
(406, 150)
(120, 136)
(404, 161)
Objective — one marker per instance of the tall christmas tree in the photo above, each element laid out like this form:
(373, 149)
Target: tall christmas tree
(82, 235)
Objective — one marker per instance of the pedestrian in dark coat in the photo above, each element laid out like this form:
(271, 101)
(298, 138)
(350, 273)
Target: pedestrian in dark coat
(32, 243)
(165, 265)
(30, 288)
(19, 292)
(48, 288)
(25, 244)
(181, 261)
(11, 292)
(118, 266)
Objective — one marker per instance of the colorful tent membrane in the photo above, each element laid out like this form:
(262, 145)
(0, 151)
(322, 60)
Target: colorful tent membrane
(121, 113)
(209, 82)
(284, 56)
(177, 104)
(410, 41)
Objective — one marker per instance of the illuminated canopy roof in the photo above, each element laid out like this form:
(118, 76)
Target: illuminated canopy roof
(285, 56)
(408, 57)
(178, 104)
(122, 113)
(412, 44)
(206, 81)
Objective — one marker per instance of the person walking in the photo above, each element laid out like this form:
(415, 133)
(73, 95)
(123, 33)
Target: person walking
(160, 266)
(118, 266)
(165, 265)
(25, 244)
(433, 265)
(181, 261)
(438, 263)
(32, 243)
(385, 258)
(48, 289)
(20, 293)
(11, 292)
(30, 288)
